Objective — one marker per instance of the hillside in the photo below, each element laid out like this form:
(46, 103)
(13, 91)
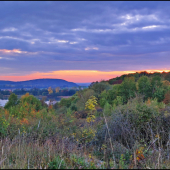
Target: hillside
(38, 83)
(119, 126)
(137, 75)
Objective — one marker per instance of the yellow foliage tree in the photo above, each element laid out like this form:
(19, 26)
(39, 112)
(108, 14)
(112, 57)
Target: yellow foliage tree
(50, 91)
(57, 89)
(90, 105)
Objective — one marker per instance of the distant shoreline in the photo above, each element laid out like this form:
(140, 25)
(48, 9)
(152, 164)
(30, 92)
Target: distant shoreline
(4, 101)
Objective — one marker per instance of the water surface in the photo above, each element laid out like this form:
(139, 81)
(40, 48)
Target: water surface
(3, 102)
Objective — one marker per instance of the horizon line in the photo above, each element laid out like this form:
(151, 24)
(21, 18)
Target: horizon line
(77, 76)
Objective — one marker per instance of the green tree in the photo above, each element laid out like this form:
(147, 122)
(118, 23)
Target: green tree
(167, 76)
(144, 87)
(127, 89)
(65, 102)
(1, 96)
(112, 93)
(12, 101)
(98, 87)
(107, 109)
(83, 96)
(155, 83)
(159, 93)
(103, 98)
(118, 101)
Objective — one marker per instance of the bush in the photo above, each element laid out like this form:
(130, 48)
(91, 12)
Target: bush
(57, 163)
(118, 101)
(107, 109)
(167, 98)
(132, 122)
(4, 123)
(80, 114)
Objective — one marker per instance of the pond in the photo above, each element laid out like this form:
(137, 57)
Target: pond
(3, 102)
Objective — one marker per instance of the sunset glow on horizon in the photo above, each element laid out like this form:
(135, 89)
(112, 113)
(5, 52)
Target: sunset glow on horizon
(77, 76)
(81, 42)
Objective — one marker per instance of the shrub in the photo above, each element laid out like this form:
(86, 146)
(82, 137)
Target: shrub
(118, 101)
(80, 114)
(4, 123)
(57, 163)
(107, 109)
(167, 98)
(132, 122)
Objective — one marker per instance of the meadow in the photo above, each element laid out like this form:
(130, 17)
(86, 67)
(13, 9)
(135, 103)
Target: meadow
(113, 126)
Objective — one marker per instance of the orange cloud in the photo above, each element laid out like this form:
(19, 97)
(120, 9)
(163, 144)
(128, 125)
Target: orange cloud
(12, 51)
(79, 76)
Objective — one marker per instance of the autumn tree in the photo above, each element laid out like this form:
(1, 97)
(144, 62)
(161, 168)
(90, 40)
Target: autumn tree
(31, 100)
(166, 83)
(167, 98)
(57, 89)
(90, 105)
(50, 91)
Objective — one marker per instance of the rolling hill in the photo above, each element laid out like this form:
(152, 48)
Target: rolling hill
(38, 83)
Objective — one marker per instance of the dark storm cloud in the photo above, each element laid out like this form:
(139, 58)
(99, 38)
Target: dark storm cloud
(84, 36)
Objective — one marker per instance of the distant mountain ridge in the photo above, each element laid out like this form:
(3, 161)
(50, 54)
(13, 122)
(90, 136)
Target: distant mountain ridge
(38, 83)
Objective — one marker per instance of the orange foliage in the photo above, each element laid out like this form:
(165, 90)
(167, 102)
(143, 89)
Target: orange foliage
(167, 98)
(50, 91)
(26, 95)
(6, 112)
(50, 107)
(57, 89)
(148, 101)
(166, 82)
(139, 154)
(24, 121)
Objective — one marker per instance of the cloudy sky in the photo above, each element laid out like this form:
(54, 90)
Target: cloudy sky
(82, 41)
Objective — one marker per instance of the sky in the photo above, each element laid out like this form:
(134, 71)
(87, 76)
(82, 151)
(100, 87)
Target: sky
(83, 41)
